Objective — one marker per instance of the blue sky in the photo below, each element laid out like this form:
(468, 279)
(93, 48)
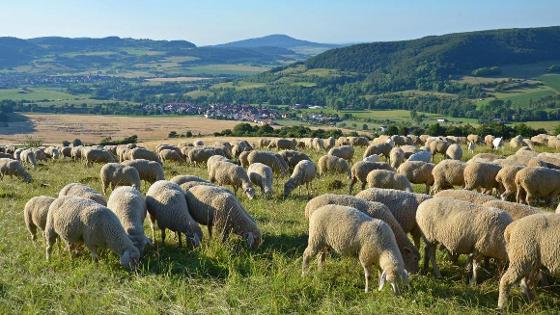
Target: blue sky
(216, 21)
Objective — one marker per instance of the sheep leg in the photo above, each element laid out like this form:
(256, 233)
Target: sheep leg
(432, 257)
(321, 259)
(180, 239)
(511, 276)
(351, 186)
(162, 236)
(367, 275)
(93, 250)
(309, 253)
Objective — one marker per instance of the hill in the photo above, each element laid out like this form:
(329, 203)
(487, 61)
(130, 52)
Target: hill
(282, 41)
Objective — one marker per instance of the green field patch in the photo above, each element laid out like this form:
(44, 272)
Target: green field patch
(226, 69)
(34, 94)
(552, 81)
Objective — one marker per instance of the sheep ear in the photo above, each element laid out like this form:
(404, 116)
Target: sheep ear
(382, 280)
(250, 239)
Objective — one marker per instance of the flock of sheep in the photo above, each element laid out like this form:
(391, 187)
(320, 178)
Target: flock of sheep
(493, 218)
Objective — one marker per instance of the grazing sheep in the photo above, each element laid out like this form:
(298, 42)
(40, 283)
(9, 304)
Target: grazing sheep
(98, 156)
(82, 191)
(261, 176)
(396, 157)
(198, 143)
(438, 145)
(345, 152)
(115, 174)
(471, 146)
(465, 195)
(244, 158)
(35, 214)
(201, 155)
(168, 209)
(243, 146)
(333, 164)
(514, 209)
(188, 185)
(462, 228)
(454, 152)
(77, 220)
(534, 183)
(532, 244)
(408, 150)
(489, 140)
(27, 157)
(329, 143)
(282, 144)
(130, 207)
(139, 153)
(170, 155)
(448, 173)
(498, 143)
(66, 152)
(292, 157)
(418, 172)
(269, 159)
(479, 175)
(13, 168)
(516, 142)
(422, 155)
(372, 158)
(149, 171)
(226, 173)
(361, 169)
(318, 144)
(472, 138)
(388, 179)
(506, 180)
(375, 210)
(181, 179)
(350, 232)
(304, 173)
(17, 153)
(383, 148)
(402, 205)
(485, 157)
(222, 213)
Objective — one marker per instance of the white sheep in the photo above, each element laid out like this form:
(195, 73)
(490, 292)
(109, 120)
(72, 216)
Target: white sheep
(114, 174)
(534, 183)
(514, 209)
(448, 173)
(333, 164)
(226, 173)
(466, 195)
(149, 171)
(418, 172)
(97, 156)
(345, 152)
(506, 181)
(482, 176)
(303, 174)
(454, 152)
(422, 155)
(13, 168)
(181, 179)
(278, 165)
(388, 179)
(396, 157)
(82, 191)
(350, 232)
(261, 176)
(35, 214)
(28, 157)
(361, 169)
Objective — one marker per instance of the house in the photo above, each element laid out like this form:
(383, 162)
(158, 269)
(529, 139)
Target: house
(442, 120)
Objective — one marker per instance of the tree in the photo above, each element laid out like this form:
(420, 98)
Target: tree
(365, 127)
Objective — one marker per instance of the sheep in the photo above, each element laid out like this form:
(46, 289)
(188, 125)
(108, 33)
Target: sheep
(472, 138)
(35, 214)
(466, 195)
(292, 157)
(516, 142)
(462, 228)
(149, 171)
(17, 153)
(5, 155)
(489, 140)
(261, 176)
(53, 152)
(82, 191)
(359, 141)
(226, 173)
(115, 174)
(188, 185)
(345, 152)
(243, 146)
(333, 164)
(122, 152)
(498, 143)
(97, 156)
(408, 150)
(375, 210)
(329, 143)
(201, 155)
(372, 158)
(471, 146)
(222, 213)
(480, 175)
(318, 144)
(454, 152)
(282, 144)
(139, 153)
(537, 182)
(422, 155)
(350, 232)
(485, 157)
(243, 158)
(13, 168)
(418, 172)
(448, 173)
(269, 159)
(130, 207)
(360, 171)
(181, 179)
(383, 148)
(506, 181)
(76, 220)
(304, 173)
(402, 205)
(438, 145)
(168, 209)
(544, 161)
(515, 210)
(198, 143)
(170, 155)
(27, 157)
(388, 179)
(532, 244)
(396, 157)
(40, 154)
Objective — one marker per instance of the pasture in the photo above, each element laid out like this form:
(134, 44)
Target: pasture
(220, 278)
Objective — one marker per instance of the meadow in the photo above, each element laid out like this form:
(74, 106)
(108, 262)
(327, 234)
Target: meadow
(219, 278)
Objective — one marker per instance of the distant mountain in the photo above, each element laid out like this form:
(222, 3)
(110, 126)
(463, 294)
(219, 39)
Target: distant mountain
(282, 41)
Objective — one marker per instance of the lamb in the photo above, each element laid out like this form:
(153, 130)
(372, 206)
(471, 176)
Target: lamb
(149, 171)
(167, 207)
(345, 152)
(360, 171)
(532, 244)
(222, 213)
(13, 168)
(130, 207)
(350, 232)
(27, 157)
(261, 176)
(333, 164)
(226, 173)
(35, 214)
(479, 175)
(383, 148)
(396, 157)
(269, 159)
(418, 172)
(170, 155)
(454, 152)
(292, 157)
(388, 179)
(515, 210)
(76, 220)
(375, 210)
(304, 173)
(115, 174)
(448, 173)
(466, 195)
(402, 205)
(534, 183)
(181, 179)
(462, 228)
(422, 155)
(82, 191)
(506, 180)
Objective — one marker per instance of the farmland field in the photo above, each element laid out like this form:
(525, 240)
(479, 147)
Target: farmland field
(34, 94)
(219, 278)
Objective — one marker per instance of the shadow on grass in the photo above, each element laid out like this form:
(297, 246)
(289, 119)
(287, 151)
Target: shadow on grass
(16, 124)
(291, 246)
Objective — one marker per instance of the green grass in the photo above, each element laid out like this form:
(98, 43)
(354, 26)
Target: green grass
(217, 278)
(33, 94)
(552, 81)
(225, 69)
(521, 98)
